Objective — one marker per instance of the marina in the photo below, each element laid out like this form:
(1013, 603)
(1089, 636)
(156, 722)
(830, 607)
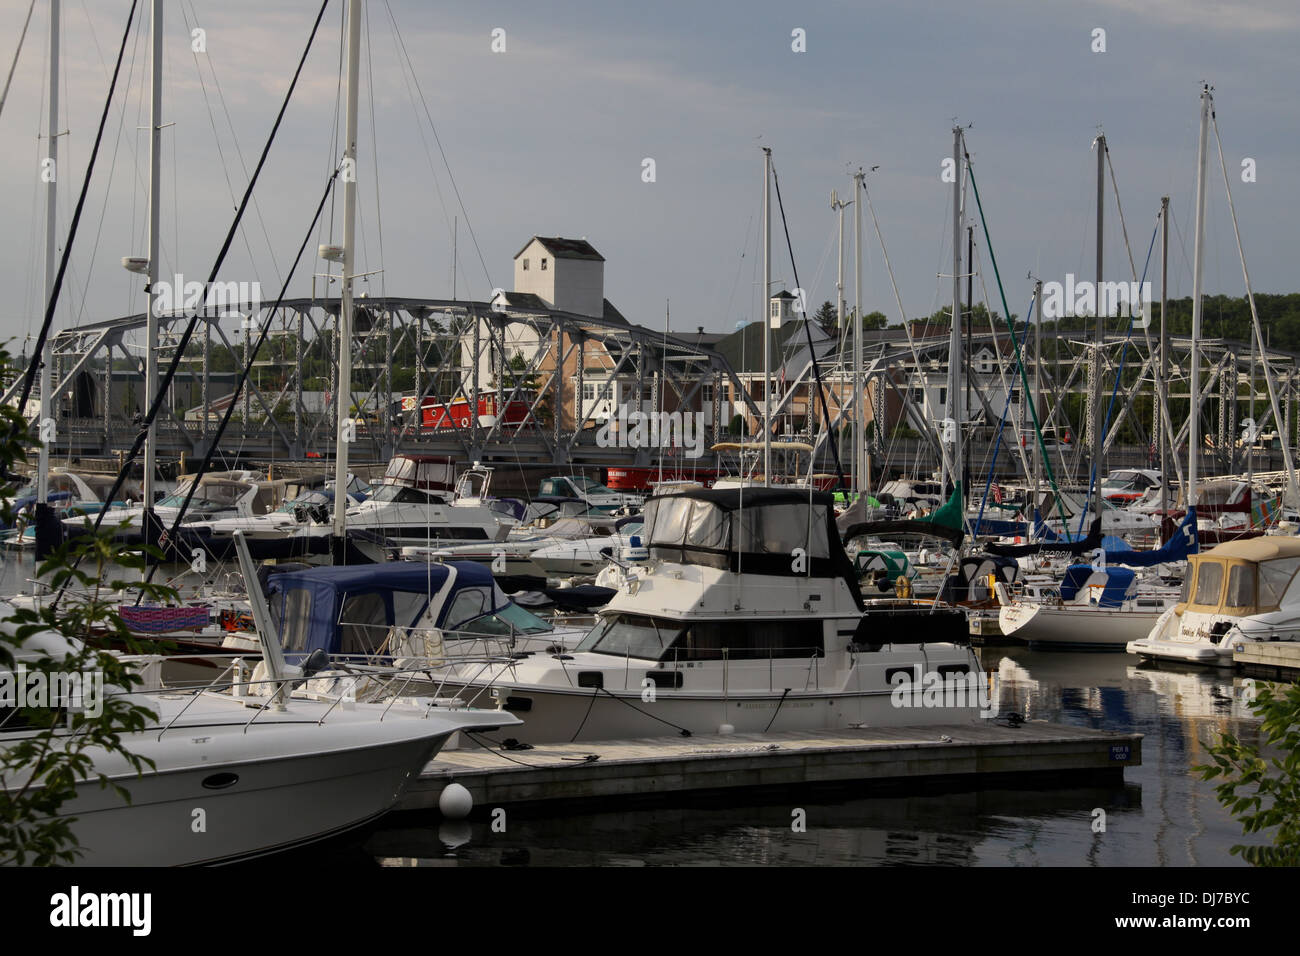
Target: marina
(484, 449)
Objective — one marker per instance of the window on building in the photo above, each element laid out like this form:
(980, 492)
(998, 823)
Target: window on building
(525, 265)
(706, 393)
(589, 391)
(943, 397)
(543, 264)
(776, 309)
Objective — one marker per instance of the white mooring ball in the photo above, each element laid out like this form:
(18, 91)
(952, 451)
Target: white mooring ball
(455, 802)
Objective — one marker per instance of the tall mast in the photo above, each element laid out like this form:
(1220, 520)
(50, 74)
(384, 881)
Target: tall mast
(151, 320)
(1162, 393)
(859, 399)
(51, 249)
(838, 206)
(767, 317)
(950, 465)
(343, 398)
(1036, 457)
(1198, 257)
(1099, 334)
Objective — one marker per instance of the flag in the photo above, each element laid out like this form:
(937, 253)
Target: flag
(995, 490)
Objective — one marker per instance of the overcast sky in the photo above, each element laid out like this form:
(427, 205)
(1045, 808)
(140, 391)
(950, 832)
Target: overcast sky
(549, 137)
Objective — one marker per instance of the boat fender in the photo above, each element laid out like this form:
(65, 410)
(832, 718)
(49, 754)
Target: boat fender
(455, 802)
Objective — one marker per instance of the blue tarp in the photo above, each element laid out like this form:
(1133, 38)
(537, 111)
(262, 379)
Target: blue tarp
(1118, 581)
(1184, 542)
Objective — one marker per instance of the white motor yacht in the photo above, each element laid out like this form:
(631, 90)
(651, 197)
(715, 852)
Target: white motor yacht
(747, 616)
(1237, 593)
(267, 774)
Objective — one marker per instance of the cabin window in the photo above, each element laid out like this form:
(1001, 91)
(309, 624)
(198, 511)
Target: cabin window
(748, 640)
(363, 623)
(407, 607)
(1241, 586)
(1274, 576)
(293, 610)
(1209, 581)
(631, 635)
(469, 604)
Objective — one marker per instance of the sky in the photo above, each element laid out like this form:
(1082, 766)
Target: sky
(550, 136)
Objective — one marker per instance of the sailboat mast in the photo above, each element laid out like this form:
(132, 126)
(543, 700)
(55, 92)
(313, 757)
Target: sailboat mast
(343, 397)
(1198, 257)
(151, 319)
(767, 317)
(1099, 333)
(1036, 457)
(51, 249)
(1162, 393)
(861, 479)
(952, 409)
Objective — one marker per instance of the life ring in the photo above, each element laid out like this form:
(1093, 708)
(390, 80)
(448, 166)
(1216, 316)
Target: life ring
(464, 422)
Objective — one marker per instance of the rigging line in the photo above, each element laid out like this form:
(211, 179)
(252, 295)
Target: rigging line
(902, 315)
(156, 401)
(812, 352)
(215, 442)
(1119, 374)
(29, 378)
(1024, 378)
(424, 142)
(21, 37)
(997, 444)
(239, 153)
(1254, 314)
(437, 139)
(216, 137)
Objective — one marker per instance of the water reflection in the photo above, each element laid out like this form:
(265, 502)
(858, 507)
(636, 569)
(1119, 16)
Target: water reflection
(1161, 815)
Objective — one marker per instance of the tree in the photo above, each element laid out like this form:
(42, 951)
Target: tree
(42, 771)
(826, 317)
(1263, 792)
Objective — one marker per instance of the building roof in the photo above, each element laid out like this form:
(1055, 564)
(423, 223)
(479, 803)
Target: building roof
(524, 300)
(562, 248)
(743, 349)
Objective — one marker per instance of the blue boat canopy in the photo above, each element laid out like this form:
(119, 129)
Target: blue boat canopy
(351, 609)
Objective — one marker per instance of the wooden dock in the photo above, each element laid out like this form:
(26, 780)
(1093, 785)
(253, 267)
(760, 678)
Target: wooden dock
(1279, 660)
(953, 757)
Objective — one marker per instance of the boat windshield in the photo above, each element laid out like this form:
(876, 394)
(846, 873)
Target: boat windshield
(402, 495)
(590, 487)
(511, 619)
(631, 635)
(306, 500)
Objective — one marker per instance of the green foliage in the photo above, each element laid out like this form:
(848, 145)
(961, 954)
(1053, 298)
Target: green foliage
(826, 316)
(43, 769)
(1263, 792)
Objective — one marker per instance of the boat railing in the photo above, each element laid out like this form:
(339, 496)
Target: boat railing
(347, 675)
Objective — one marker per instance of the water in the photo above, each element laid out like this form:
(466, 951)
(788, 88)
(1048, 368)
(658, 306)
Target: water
(1161, 815)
